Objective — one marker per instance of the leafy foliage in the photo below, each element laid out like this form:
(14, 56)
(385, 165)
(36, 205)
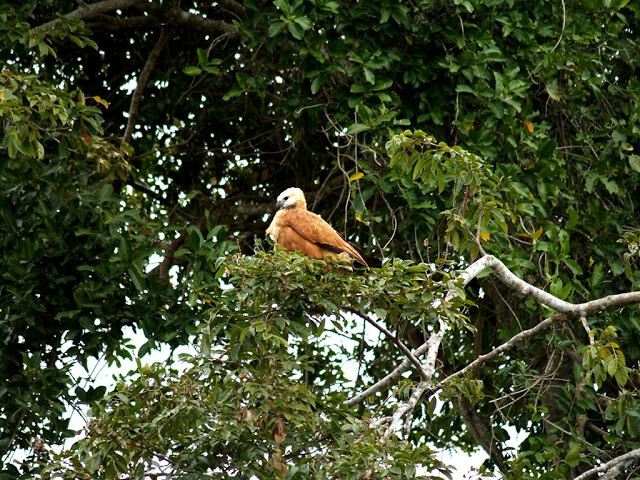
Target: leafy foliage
(267, 395)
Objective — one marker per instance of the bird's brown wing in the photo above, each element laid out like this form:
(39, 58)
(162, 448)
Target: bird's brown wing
(314, 233)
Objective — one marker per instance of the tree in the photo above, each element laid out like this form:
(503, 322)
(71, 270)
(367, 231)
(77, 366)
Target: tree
(134, 127)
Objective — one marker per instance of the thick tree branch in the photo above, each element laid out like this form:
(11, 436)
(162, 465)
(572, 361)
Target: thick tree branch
(568, 310)
(528, 290)
(481, 434)
(406, 409)
(236, 8)
(91, 10)
(107, 22)
(613, 467)
(158, 15)
(191, 20)
(161, 272)
(143, 79)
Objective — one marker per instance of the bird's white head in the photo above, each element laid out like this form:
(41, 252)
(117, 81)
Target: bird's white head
(291, 198)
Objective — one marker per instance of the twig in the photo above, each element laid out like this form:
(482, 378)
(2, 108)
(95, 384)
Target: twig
(564, 22)
(583, 320)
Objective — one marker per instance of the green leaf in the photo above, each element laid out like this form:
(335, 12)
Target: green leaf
(462, 88)
(316, 84)
(275, 28)
(211, 69)
(611, 365)
(283, 5)
(547, 148)
(357, 128)
(202, 57)
(359, 88)
(552, 90)
(622, 376)
(192, 70)
(296, 30)
(304, 22)
(573, 266)
(369, 76)
(382, 84)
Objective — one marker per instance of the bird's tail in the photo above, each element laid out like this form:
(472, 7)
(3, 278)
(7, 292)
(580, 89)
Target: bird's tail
(372, 262)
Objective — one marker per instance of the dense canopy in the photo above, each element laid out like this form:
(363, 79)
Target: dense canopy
(143, 145)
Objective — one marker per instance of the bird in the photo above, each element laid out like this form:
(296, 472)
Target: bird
(297, 229)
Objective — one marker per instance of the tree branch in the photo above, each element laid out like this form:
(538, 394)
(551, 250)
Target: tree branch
(407, 408)
(481, 433)
(159, 14)
(612, 467)
(570, 309)
(143, 79)
(424, 375)
(386, 381)
(107, 22)
(567, 310)
(191, 20)
(508, 345)
(236, 8)
(91, 10)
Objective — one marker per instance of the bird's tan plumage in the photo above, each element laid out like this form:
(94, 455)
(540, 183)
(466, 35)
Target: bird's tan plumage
(296, 228)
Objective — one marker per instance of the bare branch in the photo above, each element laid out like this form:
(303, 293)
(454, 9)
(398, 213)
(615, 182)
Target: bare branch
(407, 408)
(389, 379)
(612, 467)
(236, 8)
(158, 15)
(526, 289)
(512, 342)
(568, 310)
(395, 340)
(143, 79)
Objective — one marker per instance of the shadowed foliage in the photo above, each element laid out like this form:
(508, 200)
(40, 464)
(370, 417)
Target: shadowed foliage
(144, 143)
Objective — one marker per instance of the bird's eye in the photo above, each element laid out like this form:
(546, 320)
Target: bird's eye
(286, 198)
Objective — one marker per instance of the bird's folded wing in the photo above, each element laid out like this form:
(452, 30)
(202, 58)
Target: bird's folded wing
(315, 230)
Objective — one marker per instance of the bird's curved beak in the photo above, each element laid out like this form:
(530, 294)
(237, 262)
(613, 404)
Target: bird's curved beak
(279, 204)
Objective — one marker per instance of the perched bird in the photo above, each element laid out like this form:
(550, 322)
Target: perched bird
(296, 228)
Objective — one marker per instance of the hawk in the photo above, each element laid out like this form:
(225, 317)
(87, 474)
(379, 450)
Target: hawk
(296, 228)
